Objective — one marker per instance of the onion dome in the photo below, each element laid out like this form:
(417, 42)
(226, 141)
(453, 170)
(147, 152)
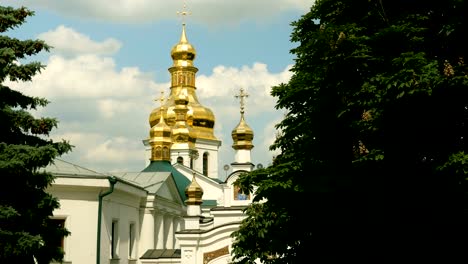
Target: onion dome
(160, 140)
(194, 193)
(183, 53)
(242, 135)
(199, 117)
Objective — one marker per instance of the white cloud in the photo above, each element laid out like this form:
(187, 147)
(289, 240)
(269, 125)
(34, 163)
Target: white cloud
(202, 11)
(101, 152)
(67, 41)
(225, 82)
(217, 91)
(87, 76)
(104, 110)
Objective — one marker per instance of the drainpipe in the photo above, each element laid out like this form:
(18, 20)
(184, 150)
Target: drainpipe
(112, 181)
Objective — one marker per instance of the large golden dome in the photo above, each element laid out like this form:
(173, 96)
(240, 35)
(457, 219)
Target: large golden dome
(199, 117)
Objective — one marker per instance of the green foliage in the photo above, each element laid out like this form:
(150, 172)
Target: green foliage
(26, 230)
(372, 148)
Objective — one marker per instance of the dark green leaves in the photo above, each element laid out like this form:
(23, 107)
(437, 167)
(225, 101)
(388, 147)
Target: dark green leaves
(373, 142)
(26, 230)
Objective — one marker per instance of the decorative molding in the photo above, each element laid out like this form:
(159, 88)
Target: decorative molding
(209, 256)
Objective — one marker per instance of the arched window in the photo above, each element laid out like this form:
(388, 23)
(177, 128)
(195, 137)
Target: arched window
(180, 160)
(239, 195)
(205, 163)
(165, 152)
(158, 153)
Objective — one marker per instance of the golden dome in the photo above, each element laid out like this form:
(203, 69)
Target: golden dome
(199, 117)
(194, 193)
(181, 131)
(183, 53)
(160, 141)
(242, 135)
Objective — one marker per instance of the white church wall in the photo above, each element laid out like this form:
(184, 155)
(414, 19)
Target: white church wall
(227, 216)
(79, 209)
(196, 248)
(78, 198)
(211, 147)
(122, 209)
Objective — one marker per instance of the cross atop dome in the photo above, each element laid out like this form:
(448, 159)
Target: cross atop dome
(161, 99)
(184, 13)
(242, 95)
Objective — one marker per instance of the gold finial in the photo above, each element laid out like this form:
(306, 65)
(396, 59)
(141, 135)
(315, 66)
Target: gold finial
(242, 95)
(184, 13)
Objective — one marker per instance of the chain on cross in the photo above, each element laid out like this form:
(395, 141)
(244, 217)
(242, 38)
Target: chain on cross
(184, 13)
(242, 95)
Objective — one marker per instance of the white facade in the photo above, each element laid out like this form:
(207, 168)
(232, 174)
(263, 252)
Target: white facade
(143, 214)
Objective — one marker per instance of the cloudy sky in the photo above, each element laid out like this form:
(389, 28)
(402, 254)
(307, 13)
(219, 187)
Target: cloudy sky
(110, 58)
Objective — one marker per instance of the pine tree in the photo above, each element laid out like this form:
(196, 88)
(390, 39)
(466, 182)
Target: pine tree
(27, 232)
(373, 163)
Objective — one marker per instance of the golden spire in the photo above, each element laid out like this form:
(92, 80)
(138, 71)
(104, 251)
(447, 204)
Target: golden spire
(242, 134)
(183, 78)
(194, 193)
(160, 137)
(183, 53)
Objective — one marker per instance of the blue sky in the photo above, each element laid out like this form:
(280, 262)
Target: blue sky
(110, 61)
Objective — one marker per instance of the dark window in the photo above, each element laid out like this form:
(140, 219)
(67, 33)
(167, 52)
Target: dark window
(205, 163)
(114, 239)
(60, 222)
(131, 240)
(180, 160)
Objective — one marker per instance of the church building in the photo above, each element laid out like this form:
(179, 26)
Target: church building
(176, 209)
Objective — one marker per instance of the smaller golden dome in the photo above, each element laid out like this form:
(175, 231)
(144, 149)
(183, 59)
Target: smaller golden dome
(160, 140)
(242, 135)
(183, 53)
(194, 193)
(161, 130)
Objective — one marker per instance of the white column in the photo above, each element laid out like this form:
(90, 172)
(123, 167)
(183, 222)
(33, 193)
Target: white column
(177, 227)
(159, 228)
(147, 231)
(169, 231)
(242, 155)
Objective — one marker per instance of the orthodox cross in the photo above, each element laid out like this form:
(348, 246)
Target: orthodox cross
(161, 101)
(183, 13)
(161, 98)
(242, 95)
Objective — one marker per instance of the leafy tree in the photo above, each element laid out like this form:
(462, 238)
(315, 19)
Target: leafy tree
(373, 156)
(26, 230)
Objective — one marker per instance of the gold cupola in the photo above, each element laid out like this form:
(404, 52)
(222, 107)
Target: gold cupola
(182, 133)
(194, 193)
(199, 117)
(161, 139)
(242, 134)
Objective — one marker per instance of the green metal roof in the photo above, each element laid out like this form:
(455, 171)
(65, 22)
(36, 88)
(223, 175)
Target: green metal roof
(61, 167)
(150, 181)
(181, 181)
(161, 253)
